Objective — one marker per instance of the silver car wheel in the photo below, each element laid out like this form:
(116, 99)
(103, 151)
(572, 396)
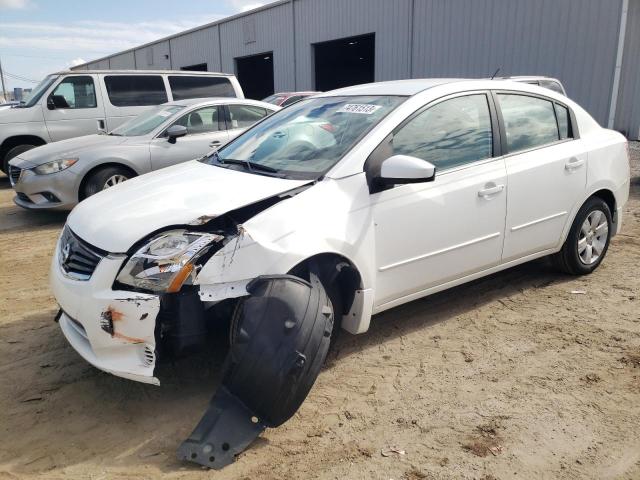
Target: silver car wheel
(114, 180)
(593, 237)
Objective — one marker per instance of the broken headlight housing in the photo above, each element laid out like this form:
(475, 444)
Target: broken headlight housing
(167, 261)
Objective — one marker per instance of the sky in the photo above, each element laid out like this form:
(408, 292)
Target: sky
(38, 37)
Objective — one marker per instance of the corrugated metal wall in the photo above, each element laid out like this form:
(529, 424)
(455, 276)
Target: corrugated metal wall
(322, 20)
(265, 31)
(628, 106)
(200, 46)
(573, 40)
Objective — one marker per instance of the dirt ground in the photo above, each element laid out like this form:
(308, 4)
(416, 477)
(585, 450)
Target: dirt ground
(524, 374)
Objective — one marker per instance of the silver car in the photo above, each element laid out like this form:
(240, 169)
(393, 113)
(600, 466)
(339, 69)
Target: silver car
(59, 175)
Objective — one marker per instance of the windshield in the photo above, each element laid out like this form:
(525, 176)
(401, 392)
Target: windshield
(146, 122)
(275, 99)
(308, 138)
(37, 92)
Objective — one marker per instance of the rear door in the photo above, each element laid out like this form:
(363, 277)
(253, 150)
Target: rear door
(206, 131)
(74, 107)
(546, 170)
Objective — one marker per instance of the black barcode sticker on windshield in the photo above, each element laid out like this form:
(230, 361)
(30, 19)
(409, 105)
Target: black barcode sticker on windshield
(364, 108)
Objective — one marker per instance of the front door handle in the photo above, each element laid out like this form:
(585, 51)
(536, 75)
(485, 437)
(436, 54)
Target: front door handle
(490, 191)
(215, 143)
(573, 164)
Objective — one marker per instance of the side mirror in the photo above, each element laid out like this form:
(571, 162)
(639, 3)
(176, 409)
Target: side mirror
(401, 169)
(176, 131)
(57, 101)
(50, 104)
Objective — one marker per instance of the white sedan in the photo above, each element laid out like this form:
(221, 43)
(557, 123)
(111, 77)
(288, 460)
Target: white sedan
(336, 208)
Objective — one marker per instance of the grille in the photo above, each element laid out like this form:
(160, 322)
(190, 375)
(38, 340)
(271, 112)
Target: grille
(14, 174)
(78, 259)
(149, 355)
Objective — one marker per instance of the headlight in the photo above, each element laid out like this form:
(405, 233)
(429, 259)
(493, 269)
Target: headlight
(54, 166)
(167, 261)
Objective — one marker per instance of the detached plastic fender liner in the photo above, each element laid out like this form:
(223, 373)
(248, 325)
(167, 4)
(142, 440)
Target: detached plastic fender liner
(280, 336)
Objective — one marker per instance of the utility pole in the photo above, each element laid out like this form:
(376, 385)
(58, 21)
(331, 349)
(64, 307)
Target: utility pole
(2, 80)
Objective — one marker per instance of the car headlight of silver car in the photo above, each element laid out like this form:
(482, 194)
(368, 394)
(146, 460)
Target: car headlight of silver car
(167, 261)
(54, 166)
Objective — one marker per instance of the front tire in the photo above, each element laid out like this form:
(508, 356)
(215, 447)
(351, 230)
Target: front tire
(588, 240)
(104, 178)
(14, 152)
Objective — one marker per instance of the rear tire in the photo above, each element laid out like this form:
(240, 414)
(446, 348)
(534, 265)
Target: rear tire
(104, 178)
(14, 152)
(588, 240)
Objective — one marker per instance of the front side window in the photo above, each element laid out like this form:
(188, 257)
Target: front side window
(203, 120)
(308, 138)
(183, 87)
(135, 90)
(243, 116)
(452, 133)
(529, 122)
(74, 92)
(148, 121)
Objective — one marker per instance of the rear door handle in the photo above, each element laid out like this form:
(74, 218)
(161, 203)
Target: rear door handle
(215, 143)
(573, 164)
(489, 191)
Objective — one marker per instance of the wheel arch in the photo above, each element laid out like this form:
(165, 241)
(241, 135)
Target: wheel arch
(91, 171)
(16, 140)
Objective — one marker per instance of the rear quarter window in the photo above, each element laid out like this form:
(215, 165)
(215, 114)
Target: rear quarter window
(135, 90)
(184, 86)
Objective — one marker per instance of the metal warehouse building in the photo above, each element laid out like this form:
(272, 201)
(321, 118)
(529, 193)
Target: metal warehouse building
(592, 46)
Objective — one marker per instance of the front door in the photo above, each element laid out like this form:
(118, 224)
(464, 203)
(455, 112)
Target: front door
(205, 131)
(431, 233)
(73, 108)
(546, 170)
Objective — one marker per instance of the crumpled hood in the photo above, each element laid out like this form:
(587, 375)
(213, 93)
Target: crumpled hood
(71, 147)
(115, 219)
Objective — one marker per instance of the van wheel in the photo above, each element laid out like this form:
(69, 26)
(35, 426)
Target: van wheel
(588, 239)
(104, 178)
(14, 152)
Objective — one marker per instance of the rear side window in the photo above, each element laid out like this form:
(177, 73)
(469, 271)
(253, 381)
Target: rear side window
(184, 87)
(291, 100)
(529, 122)
(243, 116)
(135, 90)
(74, 92)
(451, 133)
(564, 125)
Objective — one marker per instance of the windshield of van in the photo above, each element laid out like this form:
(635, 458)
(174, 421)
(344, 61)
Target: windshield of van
(146, 122)
(37, 92)
(306, 139)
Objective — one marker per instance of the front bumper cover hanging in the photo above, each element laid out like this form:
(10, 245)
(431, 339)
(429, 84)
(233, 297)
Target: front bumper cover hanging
(280, 336)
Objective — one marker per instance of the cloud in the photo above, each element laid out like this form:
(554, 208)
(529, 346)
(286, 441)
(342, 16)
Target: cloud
(89, 38)
(246, 5)
(77, 61)
(14, 4)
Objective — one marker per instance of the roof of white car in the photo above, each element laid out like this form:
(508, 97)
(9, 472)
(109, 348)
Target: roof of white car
(142, 72)
(189, 102)
(395, 87)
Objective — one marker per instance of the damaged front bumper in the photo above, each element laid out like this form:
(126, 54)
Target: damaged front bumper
(113, 330)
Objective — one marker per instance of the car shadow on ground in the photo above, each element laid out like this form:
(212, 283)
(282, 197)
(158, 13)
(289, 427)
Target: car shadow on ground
(140, 424)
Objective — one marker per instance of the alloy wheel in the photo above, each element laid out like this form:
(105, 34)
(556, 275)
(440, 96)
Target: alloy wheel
(593, 237)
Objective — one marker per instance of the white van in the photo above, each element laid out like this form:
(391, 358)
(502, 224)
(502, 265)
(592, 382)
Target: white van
(75, 103)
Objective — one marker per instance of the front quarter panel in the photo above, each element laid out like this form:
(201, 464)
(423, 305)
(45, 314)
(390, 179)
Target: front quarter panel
(332, 216)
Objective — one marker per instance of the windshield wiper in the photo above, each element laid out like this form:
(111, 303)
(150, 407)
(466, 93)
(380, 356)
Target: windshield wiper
(114, 134)
(249, 165)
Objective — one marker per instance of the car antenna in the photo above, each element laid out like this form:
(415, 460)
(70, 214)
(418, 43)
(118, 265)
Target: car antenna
(495, 73)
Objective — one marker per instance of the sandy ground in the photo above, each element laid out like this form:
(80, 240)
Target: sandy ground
(512, 376)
